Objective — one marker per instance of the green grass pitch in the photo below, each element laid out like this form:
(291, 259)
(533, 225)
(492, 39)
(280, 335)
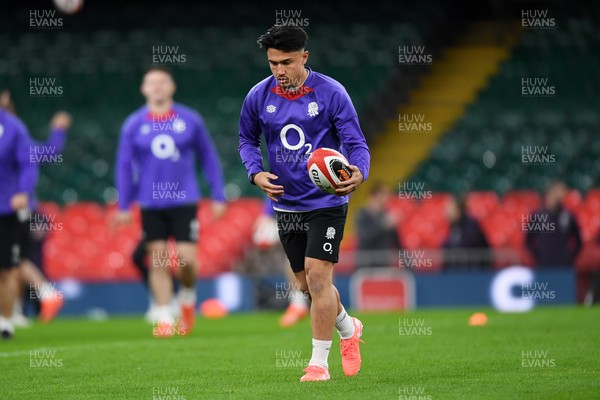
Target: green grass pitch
(550, 353)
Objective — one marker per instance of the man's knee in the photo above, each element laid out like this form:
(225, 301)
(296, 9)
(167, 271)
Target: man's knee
(301, 283)
(156, 248)
(318, 275)
(186, 253)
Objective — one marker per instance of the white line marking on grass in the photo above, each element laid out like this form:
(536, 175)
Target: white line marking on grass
(78, 347)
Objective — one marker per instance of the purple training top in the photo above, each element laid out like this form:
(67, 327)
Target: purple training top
(18, 174)
(156, 159)
(318, 114)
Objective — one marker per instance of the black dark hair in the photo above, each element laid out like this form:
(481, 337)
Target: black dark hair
(159, 68)
(283, 37)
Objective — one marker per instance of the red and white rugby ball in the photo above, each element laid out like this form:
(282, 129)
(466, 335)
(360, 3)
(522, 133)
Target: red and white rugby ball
(327, 168)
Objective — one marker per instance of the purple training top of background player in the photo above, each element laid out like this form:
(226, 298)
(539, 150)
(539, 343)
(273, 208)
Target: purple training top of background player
(18, 174)
(319, 114)
(156, 159)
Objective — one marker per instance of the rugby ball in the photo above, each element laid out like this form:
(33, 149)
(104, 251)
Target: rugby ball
(327, 168)
(68, 6)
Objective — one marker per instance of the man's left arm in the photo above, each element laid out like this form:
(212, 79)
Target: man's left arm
(346, 123)
(209, 159)
(59, 125)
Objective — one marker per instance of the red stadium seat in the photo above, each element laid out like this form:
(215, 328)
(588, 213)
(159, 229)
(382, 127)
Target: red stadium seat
(89, 250)
(409, 232)
(589, 223)
(435, 208)
(521, 201)
(592, 200)
(481, 204)
(573, 200)
(589, 258)
(497, 229)
(402, 207)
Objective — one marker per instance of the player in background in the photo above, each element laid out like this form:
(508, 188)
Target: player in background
(299, 110)
(19, 177)
(159, 146)
(31, 278)
(266, 236)
(31, 240)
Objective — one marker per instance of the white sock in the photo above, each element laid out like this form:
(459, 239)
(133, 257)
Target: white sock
(6, 324)
(320, 352)
(175, 307)
(163, 314)
(18, 307)
(344, 325)
(187, 296)
(298, 298)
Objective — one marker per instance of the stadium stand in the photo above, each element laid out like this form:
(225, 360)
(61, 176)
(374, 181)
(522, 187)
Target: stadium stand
(475, 111)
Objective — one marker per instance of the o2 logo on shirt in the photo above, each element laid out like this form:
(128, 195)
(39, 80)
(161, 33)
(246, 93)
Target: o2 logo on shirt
(163, 147)
(301, 142)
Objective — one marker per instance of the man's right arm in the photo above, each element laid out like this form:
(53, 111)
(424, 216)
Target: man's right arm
(124, 169)
(249, 138)
(249, 148)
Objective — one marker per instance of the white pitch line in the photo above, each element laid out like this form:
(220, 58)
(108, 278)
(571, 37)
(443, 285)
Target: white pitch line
(79, 347)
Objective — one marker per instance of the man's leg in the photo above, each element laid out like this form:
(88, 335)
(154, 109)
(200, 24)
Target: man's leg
(160, 281)
(51, 301)
(328, 312)
(138, 257)
(188, 267)
(188, 264)
(140, 262)
(322, 314)
(24, 242)
(322, 251)
(9, 275)
(324, 306)
(303, 288)
(8, 293)
(21, 297)
(301, 281)
(297, 310)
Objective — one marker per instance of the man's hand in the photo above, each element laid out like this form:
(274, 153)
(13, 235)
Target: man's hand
(263, 181)
(218, 209)
(346, 187)
(19, 201)
(122, 218)
(61, 120)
